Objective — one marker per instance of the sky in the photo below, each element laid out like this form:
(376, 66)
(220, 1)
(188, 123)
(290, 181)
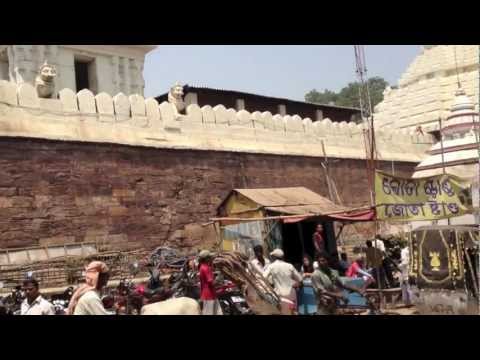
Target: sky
(273, 70)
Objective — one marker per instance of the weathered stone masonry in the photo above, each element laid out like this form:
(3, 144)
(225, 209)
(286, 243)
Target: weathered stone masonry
(127, 172)
(130, 197)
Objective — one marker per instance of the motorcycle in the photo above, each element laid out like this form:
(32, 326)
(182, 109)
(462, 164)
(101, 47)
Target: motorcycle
(60, 302)
(128, 298)
(166, 258)
(230, 297)
(108, 302)
(185, 283)
(232, 300)
(10, 305)
(3, 308)
(118, 301)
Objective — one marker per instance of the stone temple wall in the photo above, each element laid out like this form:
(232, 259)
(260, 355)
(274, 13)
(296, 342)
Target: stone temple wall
(130, 197)
(126, 172)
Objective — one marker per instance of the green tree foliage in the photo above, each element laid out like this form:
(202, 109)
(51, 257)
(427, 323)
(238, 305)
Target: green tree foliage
(349, 95)
(325, 97)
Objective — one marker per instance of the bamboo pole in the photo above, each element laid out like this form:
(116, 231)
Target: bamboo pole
(219, 219)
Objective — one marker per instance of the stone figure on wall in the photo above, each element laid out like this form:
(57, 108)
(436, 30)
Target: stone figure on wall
(175, 97)
(45, 81)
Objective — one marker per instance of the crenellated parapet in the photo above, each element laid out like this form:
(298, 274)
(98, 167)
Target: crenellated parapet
(133, 120)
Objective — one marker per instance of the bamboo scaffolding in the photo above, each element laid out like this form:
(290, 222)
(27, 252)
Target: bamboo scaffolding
(69, 269)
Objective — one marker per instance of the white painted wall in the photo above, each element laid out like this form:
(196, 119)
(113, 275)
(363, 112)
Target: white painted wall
(65, 70)
(117, 68)
(3, 70)
(191, 98)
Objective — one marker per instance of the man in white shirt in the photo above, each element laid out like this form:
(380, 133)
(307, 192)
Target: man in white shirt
(404, 262)
(379, 244)
(260, 263)
(34, 303)
(86, 299)
(90, 304)
(284, 278)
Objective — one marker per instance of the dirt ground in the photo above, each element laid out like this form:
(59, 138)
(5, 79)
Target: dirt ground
(402, 311)
(397, 310)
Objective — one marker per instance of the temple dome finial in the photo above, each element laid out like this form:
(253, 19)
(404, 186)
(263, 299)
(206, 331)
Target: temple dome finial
(462, 101)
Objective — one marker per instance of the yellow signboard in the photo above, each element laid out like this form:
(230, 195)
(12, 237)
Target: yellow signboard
(429, 198)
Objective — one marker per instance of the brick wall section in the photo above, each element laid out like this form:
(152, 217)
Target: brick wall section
(130, 197)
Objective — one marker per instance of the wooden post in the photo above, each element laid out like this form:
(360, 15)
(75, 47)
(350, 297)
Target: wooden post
(471, 270)
(476, 131)
(327, 172)
(443, 162)
(300, 232)
(218, 233)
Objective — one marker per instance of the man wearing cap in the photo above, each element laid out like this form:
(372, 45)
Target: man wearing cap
(86, 299)
(211, 306)
(284, 277)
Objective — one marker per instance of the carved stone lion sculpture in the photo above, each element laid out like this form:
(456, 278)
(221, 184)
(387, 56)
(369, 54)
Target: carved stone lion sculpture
(175, 97)
(45, 81)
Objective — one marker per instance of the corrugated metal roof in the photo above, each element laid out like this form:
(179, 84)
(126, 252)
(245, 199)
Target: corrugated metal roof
(193, 87)
(316, 209)
(291, 200)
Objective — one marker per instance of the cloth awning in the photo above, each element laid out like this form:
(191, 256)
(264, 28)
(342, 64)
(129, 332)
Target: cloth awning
(366, 214)
(353, 216)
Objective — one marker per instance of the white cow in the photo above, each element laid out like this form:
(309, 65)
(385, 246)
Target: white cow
(175, 306)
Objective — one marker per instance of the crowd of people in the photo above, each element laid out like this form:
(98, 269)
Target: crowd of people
(86, 299)
(319, 285)
(316, 281)
(316, 288)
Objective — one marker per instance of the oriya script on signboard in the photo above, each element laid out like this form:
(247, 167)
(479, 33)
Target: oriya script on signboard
(429, 198)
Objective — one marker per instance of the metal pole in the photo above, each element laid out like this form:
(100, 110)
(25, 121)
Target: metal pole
(302, 240)
(443, 161)
(327, 172)
(477, 137)
(370, 146)
(470, 268)
(441, 144)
